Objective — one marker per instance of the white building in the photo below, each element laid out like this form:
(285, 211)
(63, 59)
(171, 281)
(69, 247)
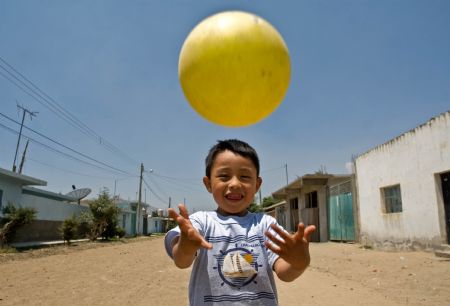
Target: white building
(51, 208)
(404, 189)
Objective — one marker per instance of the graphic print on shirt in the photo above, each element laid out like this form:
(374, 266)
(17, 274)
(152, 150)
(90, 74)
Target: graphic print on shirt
(238, 266)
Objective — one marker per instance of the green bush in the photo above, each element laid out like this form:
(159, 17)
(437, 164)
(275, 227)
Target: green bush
(120, 232)
(69, 229)
(13, 219)
(102, 218)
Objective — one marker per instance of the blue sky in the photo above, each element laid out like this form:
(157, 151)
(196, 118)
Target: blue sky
(363, 72)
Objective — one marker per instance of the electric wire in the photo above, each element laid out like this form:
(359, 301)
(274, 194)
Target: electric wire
(179, 185)
(156, 185)
(192, 181)
(57, 109)
(66, 170)
(60, 152)
(64, 146)
(154, 193)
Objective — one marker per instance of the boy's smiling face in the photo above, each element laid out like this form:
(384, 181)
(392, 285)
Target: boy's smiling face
(233, 182)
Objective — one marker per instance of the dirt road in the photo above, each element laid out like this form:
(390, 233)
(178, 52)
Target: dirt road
(140, 273)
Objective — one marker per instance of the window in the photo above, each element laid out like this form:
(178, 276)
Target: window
(392, 198)
(311, 200)
(294, 203)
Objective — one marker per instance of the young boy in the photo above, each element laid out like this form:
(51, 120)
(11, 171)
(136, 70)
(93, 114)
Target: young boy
(233, 250)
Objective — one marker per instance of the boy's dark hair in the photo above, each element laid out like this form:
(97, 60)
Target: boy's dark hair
(234, 145)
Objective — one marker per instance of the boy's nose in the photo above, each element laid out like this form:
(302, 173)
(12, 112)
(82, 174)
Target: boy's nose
(234, 182)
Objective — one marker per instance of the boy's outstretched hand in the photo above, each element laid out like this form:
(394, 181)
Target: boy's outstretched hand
(189, 241)
(293, 250)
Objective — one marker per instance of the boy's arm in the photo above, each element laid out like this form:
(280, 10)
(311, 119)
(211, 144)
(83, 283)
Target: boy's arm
(186, 245)
(292, 249)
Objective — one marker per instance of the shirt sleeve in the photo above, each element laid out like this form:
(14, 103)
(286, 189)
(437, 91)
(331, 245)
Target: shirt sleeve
(175, 232)
(169, 239)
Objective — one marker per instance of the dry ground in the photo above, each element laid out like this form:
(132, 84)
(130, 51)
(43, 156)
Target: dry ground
(138, 272)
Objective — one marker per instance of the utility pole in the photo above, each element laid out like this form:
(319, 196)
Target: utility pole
(138, 208)
(25, 111)
(23, 157)
(287, 178)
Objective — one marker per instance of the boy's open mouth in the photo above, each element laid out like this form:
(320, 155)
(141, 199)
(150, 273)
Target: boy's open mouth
(234, 196)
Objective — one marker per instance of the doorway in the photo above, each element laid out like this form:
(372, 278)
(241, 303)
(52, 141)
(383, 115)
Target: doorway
(445, 183)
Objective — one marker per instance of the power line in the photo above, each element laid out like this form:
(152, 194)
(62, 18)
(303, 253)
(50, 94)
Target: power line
(182, 180)
(180, 184)
(58, 151)
(156, 185)
(66, 147)
(56, 108)
(67, 171)
(154, 193)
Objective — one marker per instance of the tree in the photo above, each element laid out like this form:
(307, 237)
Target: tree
(267, 201)
(13, 219)
(254, 208)
(103, 217)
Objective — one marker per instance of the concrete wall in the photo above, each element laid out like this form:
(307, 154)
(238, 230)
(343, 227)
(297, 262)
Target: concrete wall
(52, 210)
(155, 225)
(125, 222)
(411, 160)
(12, 192)
(49, 213)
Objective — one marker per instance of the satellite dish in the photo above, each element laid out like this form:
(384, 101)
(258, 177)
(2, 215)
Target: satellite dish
(78, 194)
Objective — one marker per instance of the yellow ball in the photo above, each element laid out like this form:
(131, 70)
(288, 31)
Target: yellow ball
(234, 68)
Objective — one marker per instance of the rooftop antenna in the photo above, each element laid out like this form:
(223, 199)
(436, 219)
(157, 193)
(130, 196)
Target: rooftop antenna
(25, 111)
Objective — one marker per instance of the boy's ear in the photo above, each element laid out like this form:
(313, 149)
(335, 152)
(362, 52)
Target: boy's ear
(207, 183)
(258, 183)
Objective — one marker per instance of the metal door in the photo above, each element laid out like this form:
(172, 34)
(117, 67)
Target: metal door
(340, 210)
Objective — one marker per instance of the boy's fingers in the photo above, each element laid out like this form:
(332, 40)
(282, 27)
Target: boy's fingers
(194, 235)
(183, 211)
(308, 232)
(272, 247)
(300, 231)
(173, 214)
(283, 234)
(274, 238)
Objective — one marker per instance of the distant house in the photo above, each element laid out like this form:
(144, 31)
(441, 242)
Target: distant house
(52, 208)
(323, 200)
(156, 224)
(127, 217)
(404, 189)
(129, 222)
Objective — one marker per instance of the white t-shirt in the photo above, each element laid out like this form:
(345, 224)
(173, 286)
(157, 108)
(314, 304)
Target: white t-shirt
(245, 235)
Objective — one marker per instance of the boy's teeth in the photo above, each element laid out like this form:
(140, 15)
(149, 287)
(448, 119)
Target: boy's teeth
(234, 196)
